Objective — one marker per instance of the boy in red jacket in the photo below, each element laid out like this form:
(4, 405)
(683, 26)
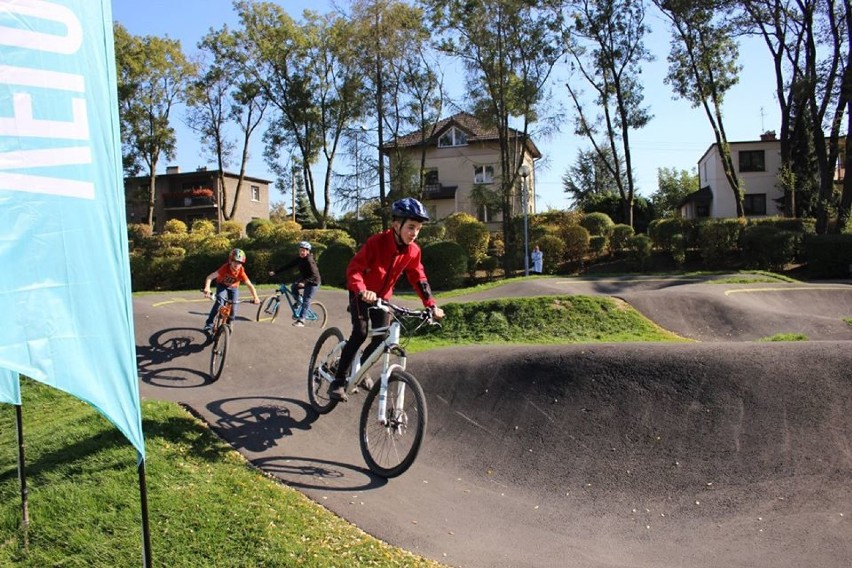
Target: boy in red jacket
(372, 273)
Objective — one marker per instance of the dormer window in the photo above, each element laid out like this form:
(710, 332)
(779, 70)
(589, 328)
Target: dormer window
(452, 137)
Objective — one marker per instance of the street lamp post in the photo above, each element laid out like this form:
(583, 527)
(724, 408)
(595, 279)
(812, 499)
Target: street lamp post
(525, 171)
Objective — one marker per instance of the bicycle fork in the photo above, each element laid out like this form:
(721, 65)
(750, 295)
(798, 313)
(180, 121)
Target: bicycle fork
(399, 401)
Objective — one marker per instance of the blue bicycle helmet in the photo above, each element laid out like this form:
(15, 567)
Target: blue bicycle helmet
(409, 208)
(305, 245)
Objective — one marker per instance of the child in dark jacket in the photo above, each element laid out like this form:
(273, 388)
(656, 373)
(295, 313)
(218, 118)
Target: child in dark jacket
(308, 282)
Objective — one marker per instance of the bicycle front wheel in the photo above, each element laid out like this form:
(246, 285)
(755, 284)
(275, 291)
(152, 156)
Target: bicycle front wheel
(325, 356)
(268, 309)
(390, 448)
(219, 351)
(318, 317)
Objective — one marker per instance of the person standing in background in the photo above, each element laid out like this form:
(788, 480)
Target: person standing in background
(537, 260)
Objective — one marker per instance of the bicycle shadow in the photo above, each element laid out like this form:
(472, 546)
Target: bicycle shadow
(314, 473)
(259, 428)
(164, 347)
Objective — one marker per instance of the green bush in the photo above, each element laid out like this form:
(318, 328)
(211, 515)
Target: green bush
(640, 251)
(473, 238)
(576, 238)
(231, 229)
(363, 229)
(621, 234)
(598, 224)
(766, 247)
(327, 237)
(432, 233)
(678, 249)
(259, 228)
(139, 235)
(829, 256)
(455, 221)
(445, 263)
(662, 231)
(719, 240)
(598, 245)
(333, 262)
(286, 232)
(203, 228)
(489, 265)
(553, 250)
(175, 226)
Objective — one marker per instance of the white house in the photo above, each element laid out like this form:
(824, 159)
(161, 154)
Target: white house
(757, 164)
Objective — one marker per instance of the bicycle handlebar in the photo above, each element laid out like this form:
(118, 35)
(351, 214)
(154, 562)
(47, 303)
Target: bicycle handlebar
(212, 298)
(426, 314)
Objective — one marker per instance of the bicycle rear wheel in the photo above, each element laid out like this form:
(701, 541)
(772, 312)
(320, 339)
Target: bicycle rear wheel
(268, 309)
(325, 356)
(390, 449)
(320, 315)
(219, 351)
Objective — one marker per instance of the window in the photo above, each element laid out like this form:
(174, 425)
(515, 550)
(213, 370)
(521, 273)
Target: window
(754, 204)
(702, 210)
(483, 174)
(752, 161)
(484, 214)
(452, 137)
(255, 193)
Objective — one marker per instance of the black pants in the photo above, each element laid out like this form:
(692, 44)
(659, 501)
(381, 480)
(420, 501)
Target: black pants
(360, 312)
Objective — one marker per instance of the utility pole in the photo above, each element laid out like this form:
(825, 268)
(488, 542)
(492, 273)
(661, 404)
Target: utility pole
(293, 173)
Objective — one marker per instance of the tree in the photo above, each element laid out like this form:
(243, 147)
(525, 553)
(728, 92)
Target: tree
(607, 49)
(703, 67)
(222, 95)
(672, 186)
(590, 176)
(811, 46)
(390, 35)
(509, 49)
(152, 75)
(308, 75)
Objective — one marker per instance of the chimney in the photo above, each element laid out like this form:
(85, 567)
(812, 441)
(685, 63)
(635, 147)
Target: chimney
(768, 136)
(172, 170)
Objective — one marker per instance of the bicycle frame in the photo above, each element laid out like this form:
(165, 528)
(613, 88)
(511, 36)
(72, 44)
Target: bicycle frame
(291, 301)
(389, 346)
(223, 317)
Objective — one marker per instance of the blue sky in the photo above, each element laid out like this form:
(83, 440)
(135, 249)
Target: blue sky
(676, 137)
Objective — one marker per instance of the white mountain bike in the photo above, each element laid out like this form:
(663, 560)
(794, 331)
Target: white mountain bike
(393, 419)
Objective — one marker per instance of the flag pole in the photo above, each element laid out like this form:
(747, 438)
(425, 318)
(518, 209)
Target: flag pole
(22, 477)
(146, 531)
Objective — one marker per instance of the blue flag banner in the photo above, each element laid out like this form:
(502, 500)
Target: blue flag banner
(67, 309)
(10, 387)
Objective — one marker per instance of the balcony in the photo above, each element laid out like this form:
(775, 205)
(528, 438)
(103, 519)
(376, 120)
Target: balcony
(438, 191)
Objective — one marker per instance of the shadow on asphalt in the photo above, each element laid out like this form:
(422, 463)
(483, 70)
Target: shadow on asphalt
(311, 473)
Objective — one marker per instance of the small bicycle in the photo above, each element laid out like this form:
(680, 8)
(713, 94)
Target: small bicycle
(315, 316)
(393, 418)
(220, 337)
